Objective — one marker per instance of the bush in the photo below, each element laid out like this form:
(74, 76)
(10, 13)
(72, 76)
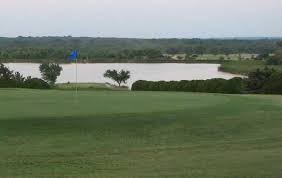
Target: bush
(9, 79)
(8, 83)
(36, 83)
(275, 60)
(262, 56)
(235, 85)
(274, 84)
(33, 83)
(256, 80)
(260, 81)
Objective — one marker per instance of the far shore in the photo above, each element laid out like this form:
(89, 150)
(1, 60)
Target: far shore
(98, 61)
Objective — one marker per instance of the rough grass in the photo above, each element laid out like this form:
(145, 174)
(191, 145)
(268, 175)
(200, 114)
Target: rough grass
(139, 134)
(245, 67)
(230, 57)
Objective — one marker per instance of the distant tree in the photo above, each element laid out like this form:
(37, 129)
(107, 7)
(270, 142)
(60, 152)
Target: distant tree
(240, 57)
(38, 49)
(50, 72)
(119, 77)
(172, 50)
(262, 56)
(276, 58)
(152, 53)
(194, 56)
(179, 58)
(279, 43)
(200, 49)
(221, 58)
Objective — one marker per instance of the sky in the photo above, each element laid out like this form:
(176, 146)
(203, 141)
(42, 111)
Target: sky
(142, 18)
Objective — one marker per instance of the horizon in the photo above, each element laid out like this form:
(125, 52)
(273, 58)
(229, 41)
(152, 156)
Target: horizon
(201, 38)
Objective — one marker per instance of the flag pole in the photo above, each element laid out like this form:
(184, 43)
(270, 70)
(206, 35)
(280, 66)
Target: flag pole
(76, 77)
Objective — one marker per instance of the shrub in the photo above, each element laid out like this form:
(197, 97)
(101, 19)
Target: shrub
(260, 81)
(8, 83)
(256, 80)
(9, 79)
(36, 83)
(235, 85)
(274, 61)
(262, 56)
(274, 84)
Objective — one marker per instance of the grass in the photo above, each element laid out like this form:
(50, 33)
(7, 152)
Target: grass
(139, 134)
(88, 86)
(245, 67)
(230, 57)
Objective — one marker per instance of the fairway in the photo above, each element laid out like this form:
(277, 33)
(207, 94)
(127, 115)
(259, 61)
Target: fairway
(139, 134)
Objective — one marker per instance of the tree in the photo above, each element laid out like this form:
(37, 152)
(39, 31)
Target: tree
(275, 59)
(36, 83)
(5, 73)
(221, 58)
(18, 77)
(262, 56)
(50, 72)
(274, 84)
(119, 77)
(257, 79)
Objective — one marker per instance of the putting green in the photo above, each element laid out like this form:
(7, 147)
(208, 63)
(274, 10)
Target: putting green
(139, 134)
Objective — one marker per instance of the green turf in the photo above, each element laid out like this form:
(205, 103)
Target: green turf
(88, 86)
(139, 134)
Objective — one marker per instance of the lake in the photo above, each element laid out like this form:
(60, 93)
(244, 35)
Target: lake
(154, 72)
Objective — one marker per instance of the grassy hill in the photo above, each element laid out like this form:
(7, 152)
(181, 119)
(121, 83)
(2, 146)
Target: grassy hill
(139, 134)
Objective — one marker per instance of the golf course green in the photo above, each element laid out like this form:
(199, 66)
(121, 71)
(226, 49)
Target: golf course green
(54, 133)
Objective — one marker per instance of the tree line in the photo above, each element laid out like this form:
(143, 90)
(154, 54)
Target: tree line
(41, 49)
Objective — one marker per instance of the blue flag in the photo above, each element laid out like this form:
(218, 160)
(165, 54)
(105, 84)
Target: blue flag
(73, 56)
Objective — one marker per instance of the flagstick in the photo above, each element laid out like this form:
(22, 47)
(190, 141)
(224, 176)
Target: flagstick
(76, 77)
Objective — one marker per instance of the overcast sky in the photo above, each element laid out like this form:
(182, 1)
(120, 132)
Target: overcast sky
(141, 18)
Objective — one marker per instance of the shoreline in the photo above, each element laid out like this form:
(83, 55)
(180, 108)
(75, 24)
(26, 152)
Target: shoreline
(114, 61)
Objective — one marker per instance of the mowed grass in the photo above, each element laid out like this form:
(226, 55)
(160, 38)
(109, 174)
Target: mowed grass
(139, 134)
